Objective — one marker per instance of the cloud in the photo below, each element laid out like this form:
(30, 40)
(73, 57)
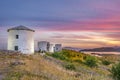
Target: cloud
(82, 23)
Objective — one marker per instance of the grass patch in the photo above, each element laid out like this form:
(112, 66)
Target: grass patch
(69, 66)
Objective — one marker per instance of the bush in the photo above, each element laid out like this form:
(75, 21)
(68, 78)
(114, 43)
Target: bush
(69, 55)
(105, 62)
(70, 66)
(79, 61)
(58, 55)
(91, 61)
(115, 70)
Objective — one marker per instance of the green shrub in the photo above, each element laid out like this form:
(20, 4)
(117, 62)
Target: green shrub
(106, 62)
(91, 61)
(79, 61)
(115, 70)
(58, 55)
(70, 56)
(70, 66)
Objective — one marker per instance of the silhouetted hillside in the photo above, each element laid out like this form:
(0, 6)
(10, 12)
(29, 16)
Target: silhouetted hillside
(72, 48)
(104, 49)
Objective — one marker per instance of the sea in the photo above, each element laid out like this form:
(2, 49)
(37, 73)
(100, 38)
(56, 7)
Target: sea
(107, 53)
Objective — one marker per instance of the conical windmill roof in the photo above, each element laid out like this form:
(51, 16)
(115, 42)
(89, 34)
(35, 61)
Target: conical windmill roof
(20, 28)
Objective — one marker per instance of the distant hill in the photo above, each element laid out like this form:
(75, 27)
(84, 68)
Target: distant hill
(104, 49)
(72, 48)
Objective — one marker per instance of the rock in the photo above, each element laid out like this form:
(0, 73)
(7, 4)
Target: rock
(77, 75)
(17, 63)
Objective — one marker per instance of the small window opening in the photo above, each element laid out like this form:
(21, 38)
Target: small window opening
(17, 36)
(16, 48)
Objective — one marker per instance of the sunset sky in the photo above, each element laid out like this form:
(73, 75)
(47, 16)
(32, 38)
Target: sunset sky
(74, 23)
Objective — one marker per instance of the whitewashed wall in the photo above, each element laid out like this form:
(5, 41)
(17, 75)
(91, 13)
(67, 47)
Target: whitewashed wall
(51, 48)
(58, 47)
(43, 45)
(25, 42)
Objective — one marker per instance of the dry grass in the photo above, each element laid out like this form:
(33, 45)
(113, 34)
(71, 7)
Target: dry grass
(36, 67)
(46, 70)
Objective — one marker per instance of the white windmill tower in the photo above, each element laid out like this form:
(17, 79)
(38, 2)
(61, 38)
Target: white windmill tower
(21, 38)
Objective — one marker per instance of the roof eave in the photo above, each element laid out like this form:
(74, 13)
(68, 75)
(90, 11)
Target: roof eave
(20, 29)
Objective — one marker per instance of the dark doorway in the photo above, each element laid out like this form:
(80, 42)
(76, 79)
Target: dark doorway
(16, 48)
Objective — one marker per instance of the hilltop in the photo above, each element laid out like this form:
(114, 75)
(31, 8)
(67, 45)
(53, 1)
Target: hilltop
(72, 48)
(64, 65)
(103, 49)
